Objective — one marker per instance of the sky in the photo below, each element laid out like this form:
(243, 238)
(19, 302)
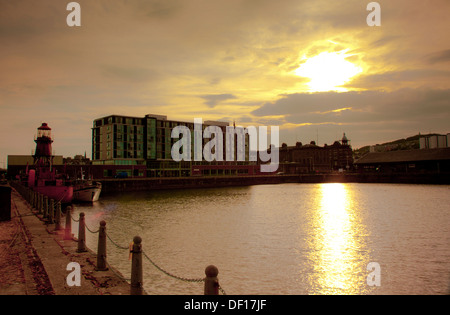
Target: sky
(314, 68)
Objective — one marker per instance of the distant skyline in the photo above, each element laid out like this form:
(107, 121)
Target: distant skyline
(313, 68)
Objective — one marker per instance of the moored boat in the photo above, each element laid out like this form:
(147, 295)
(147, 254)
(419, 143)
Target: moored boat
(87, 191)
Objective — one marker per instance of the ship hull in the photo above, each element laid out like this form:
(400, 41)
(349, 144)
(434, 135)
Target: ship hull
(89, 193)
(63, 194)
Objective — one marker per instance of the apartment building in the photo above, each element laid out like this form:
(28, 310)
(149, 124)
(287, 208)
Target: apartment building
(141, 147)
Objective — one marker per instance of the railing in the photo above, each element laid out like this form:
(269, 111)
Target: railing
(50, 211)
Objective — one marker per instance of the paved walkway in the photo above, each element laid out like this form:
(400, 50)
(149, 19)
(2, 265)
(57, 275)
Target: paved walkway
(34, 259)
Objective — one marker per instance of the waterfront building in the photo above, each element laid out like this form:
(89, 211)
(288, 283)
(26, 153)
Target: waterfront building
(311, 158)
(340, 154)
(141, 147)
(308, 158)
(434, 141)
(434, 161)
(18, 164)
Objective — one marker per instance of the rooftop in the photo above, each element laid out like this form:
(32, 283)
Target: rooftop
(405, 156)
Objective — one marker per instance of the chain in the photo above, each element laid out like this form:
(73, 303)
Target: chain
(118, 246)
(93, 232)
(117, 274)
(222, 290)
(73, 218)
(172, 275)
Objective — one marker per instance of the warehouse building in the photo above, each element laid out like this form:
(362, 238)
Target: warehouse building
(432, 161)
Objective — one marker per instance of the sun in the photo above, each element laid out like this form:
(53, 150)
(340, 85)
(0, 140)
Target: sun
(328, 71)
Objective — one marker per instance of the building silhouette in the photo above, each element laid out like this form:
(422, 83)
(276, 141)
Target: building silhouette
(311, 158)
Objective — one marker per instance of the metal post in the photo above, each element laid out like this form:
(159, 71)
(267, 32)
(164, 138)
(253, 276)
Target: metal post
(51, 211)
(211, 281)
(58, 216)
(101, 248)
(68, 229)
(136, 267)
(81, 234)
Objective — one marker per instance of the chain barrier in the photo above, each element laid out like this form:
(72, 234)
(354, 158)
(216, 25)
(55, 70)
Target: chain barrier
(222, 290)
(115, 244)
(114, 271)
(73, 218)
(197, 280)
(170, 274)
(93, 232)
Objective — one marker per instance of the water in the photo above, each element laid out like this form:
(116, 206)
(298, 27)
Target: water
(284, 239)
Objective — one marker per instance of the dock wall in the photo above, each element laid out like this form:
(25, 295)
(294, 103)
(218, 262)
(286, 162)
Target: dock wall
(141, 184)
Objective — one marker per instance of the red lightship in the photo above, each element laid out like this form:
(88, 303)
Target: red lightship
(44, 178)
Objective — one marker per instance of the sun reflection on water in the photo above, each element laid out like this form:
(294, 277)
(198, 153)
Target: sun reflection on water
(336, 252)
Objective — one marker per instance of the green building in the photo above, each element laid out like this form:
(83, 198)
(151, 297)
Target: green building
(141, 147)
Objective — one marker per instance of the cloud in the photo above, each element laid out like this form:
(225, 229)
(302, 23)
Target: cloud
(131, 74)
(425, 106)
(368, 117)
(440, 56)
(173, 57)
(214, 99)
(161, 9)
(393, 80)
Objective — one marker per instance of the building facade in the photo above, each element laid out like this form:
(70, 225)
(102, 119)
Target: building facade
(141, 147)
(429, 161)
(434, 141)
(311, 158)
(19, 164)
(340, 154)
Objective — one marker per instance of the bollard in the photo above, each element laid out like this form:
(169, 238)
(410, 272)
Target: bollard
(51, 211)
(31, 198)
(81, 234)
(58, 216)
(136, 267)
(211, 280)
(101, 248)
(68, 229)
(35, 202)
(45, 206)
(40, 203)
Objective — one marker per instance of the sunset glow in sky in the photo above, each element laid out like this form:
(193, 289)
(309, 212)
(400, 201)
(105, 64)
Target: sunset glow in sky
(314, 68)
(328, 71)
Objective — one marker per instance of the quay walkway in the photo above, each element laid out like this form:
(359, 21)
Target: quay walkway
(34, 259)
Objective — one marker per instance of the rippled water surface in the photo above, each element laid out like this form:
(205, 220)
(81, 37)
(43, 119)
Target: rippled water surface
(284, 239)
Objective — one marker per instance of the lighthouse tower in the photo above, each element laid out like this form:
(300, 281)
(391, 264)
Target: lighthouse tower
(43, 154)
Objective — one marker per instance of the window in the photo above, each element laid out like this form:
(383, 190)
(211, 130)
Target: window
(107, 173)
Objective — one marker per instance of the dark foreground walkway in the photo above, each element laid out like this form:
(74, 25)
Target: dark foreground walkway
(34, 259)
